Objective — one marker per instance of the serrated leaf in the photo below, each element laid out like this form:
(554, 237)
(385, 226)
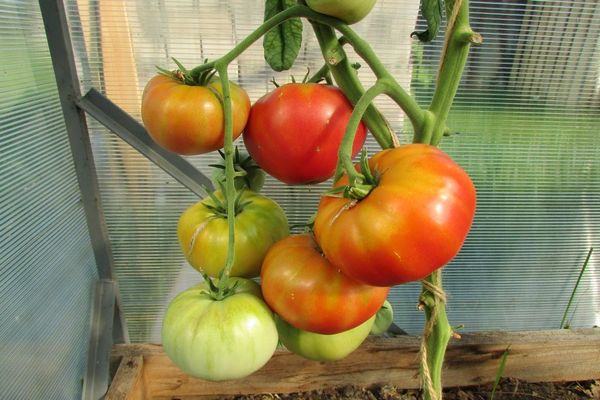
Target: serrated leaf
(432, 11)
(282, 43)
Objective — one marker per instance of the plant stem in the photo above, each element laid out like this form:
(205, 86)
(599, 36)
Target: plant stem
(230, 191)
(437, 332)
(340, 67)
(346, 78)
(436, 335)
(345, 151)
(459, 36)
(581, 272)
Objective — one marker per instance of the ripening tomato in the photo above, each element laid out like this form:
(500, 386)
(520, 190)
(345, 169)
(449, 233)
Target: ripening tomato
(188, 119)
(203, 233)
(221, 339)
(319, 347)
(413, 222)
(294, 132)
(349, 11)
(310, 293)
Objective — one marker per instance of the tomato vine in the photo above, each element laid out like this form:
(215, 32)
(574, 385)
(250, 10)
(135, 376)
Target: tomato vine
(429, 126)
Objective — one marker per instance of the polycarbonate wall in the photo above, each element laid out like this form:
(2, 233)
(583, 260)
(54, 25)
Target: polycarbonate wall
(47, 267)
(526, 126)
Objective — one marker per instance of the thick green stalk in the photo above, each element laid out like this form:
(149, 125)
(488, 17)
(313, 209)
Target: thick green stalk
(437, 334)
(459, 37)
(230, 191)
(346, 78)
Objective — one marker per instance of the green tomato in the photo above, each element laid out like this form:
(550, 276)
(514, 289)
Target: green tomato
(383, 319)
(319, 347)
(219, 339)
(203, 233)
(349, 11)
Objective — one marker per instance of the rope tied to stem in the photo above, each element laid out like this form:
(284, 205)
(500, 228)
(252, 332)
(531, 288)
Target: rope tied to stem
(439, 297)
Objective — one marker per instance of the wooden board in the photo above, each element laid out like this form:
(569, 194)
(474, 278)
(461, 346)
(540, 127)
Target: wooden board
(561, 355)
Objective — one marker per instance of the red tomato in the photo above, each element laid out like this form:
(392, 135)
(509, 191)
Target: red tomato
(294, 132)
(308, 292)
(189, 119)
(413, 222)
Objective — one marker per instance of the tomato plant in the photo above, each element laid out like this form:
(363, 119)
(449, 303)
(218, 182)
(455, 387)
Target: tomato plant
(188, 119)
(413, 222)
(319, 347)
(294, 132)
(203, 233)
(310, 293)
(349, 11)
(219, 339)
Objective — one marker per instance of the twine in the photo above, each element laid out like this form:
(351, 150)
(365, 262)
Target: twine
(439, 296)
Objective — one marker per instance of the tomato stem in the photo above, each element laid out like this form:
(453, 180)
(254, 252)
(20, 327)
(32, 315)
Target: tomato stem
(230, 191)
(437, 331)
(458, 40)
(345, 152)
(346, 77)
(436, 335)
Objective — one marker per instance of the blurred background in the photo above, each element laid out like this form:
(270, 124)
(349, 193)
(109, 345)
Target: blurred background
(525, 125)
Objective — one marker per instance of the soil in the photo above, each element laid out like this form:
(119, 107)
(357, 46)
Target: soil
(506, 389)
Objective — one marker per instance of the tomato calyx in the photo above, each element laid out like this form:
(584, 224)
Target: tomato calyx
(215, 292)
(360, 183)
(247, 175)
(189, 77)
(217, 202)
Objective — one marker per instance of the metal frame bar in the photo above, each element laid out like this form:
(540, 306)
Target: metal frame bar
(107, 323)
(100, 344)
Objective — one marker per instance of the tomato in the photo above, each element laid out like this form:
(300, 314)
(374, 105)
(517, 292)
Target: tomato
(204, 234)
(413, 222)
(188, 119)
(294, 132)
(311, 294)
(349, 11)
(383, 319)
(219, 339)
(318, 347)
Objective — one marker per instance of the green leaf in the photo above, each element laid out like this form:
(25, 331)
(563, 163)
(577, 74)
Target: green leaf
(432, 11)
(282, 43)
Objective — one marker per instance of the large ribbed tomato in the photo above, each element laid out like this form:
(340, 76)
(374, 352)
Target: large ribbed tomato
(310, 293)
(413, 222)
(221, 339)
(188, 119)
(294, 132)
(203, 233)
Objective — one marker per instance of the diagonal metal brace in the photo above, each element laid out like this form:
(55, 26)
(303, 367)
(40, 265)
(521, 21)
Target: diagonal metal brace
(130, 130)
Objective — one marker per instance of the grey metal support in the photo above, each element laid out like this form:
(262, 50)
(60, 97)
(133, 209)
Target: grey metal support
(97, 377)
(63, 61)
(134, 133)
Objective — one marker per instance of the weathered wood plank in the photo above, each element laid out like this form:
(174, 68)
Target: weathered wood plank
(128, 382)
(533, 356)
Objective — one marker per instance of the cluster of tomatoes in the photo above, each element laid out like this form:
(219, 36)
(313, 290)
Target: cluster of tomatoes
(322, 292)
(319, 292)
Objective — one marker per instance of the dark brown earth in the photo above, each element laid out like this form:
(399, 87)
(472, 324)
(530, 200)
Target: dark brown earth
(507, 389)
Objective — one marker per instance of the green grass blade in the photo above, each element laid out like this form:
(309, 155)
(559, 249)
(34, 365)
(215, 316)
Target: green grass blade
(499, 372)
(583, 268)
